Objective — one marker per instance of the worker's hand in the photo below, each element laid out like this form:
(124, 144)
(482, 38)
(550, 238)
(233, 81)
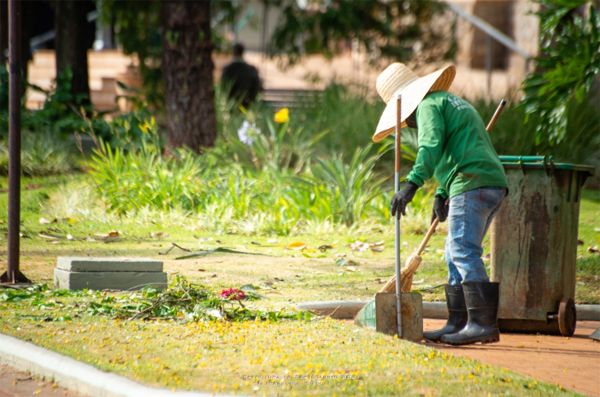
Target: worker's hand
(402, 198)
(440, 208)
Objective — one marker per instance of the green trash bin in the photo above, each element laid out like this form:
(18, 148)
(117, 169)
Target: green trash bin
(534, 245)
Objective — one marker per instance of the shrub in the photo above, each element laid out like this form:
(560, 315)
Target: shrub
(144, 178)
(62, 114)
(3, 89)
(565, 72)
(41, 154)
(345, 114)
(349, 188)
(278, 191)
(257, 141)
(515, 135)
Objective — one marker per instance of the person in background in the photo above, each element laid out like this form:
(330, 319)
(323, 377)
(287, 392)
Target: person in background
(240, 79)
(455, 148)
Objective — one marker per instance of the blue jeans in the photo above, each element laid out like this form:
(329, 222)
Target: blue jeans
(469, 218)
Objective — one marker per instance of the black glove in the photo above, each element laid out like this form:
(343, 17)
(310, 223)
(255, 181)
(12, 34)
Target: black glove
(402, 198)
(440, 208)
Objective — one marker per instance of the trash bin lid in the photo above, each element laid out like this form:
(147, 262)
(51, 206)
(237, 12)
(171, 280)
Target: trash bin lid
(542, 162)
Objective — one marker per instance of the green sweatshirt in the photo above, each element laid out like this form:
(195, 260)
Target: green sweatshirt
(454, 147)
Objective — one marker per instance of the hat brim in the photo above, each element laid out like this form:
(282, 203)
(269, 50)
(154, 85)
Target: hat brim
(411, 95)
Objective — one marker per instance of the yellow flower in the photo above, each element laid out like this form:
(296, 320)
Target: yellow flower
(282, 116)
(147, 125)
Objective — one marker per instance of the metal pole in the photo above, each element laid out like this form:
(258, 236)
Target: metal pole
(3, 31)
(397, 217)
(265, 27)
(13, 275)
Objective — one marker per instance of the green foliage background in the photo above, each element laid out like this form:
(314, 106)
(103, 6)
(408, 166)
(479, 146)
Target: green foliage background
(320, 165)
(391, 28)
(566, 70)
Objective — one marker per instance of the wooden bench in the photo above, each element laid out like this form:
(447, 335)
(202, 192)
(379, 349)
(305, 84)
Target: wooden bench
(279, 98)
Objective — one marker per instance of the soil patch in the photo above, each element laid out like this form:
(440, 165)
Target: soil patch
(573, 363)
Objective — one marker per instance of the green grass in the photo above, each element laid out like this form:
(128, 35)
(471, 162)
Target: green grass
(318, 357)
(150, 233)
(587, 289)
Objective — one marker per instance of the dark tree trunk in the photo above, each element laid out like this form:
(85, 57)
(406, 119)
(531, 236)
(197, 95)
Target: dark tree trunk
(188, 74)
(72, 42)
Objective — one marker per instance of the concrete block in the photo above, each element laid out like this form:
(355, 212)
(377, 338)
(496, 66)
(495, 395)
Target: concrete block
(92, 264)
(109, 280)
(411, 315)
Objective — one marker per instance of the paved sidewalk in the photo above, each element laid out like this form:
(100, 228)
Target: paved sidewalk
(573, 363)
(14, 383)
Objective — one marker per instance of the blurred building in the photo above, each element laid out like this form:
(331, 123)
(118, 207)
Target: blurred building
(485, 66)
(513, 18)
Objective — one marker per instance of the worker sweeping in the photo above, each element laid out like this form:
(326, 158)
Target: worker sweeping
(454, 147)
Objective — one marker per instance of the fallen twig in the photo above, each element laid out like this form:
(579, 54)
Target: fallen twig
(173, 246)
(217, 250)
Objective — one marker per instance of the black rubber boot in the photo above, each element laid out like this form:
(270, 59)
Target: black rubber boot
(482, 308)
(457, 313)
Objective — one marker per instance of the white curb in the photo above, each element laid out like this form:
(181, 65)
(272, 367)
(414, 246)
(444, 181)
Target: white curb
(74, 375)
(345, 310)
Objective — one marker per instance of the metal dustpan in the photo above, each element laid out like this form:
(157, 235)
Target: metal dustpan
(366, 316)
(380, 314)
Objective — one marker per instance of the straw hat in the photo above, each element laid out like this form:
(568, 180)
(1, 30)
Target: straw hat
(397, 79)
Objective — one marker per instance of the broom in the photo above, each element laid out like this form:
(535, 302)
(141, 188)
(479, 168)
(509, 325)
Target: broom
(414, 260)
(411, 265)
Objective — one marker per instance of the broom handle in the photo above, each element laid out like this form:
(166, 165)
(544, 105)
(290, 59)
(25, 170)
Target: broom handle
(387, 287)
(428, 235)
(494, 118)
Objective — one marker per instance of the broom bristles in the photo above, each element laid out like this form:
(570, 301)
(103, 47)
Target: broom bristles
(406, 276)
(411, 264)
